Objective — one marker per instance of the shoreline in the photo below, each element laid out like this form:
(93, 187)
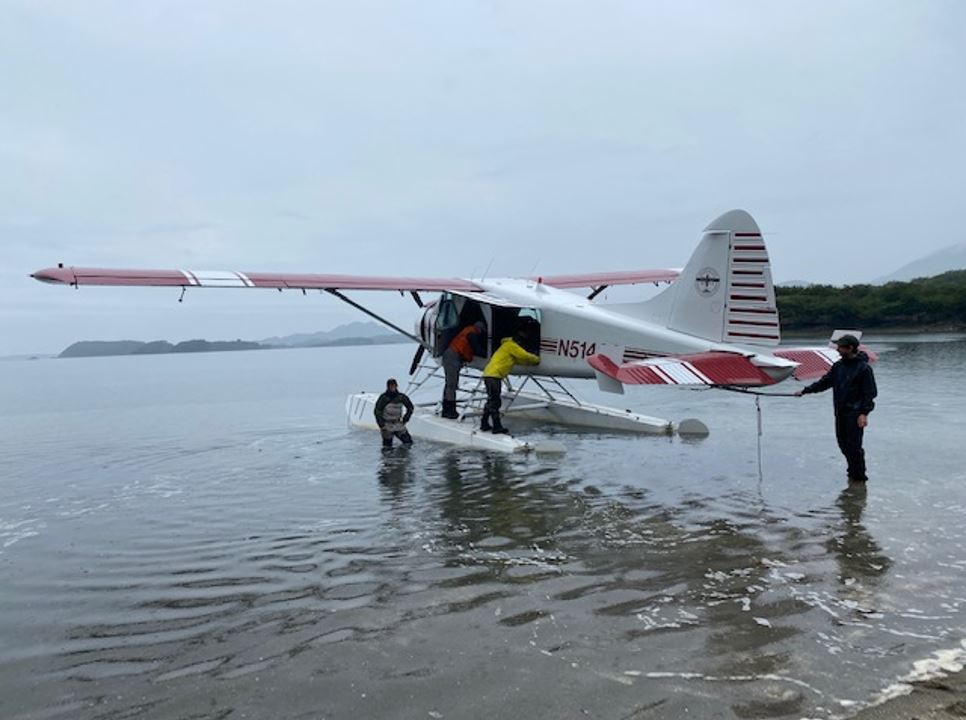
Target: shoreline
(897, 330)
(943, 696)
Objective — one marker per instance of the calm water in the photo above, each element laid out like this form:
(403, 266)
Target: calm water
(201, 536)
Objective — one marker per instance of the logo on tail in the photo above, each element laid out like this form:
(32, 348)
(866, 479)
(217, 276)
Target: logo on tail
(707, 282)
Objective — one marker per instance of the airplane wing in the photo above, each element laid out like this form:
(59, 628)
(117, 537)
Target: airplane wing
(77, 276)
(226, 278)
(709, 368)
(627, 277)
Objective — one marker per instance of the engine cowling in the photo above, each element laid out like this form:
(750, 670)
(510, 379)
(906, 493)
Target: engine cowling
(426, 325)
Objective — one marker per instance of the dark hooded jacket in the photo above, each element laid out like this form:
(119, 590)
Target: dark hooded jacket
(852, 383)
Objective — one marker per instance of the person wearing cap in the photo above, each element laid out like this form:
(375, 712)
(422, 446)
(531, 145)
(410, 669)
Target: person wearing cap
(853, 396)
(511, 352)
(468, 343)
(393, 410)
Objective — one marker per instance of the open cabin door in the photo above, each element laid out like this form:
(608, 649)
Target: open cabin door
(502, 320)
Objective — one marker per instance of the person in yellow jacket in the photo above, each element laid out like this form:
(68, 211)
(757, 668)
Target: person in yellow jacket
(510, 353)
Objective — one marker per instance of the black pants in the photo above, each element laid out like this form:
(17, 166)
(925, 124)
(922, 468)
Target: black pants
(849, 435)
(452, 363)
(387, 435)
(494, 388)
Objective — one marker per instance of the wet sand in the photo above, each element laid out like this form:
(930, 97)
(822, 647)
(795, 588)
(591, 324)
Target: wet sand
(943, 697)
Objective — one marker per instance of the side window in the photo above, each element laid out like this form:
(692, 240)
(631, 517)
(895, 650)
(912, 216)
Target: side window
(528, 321)
(447, 323)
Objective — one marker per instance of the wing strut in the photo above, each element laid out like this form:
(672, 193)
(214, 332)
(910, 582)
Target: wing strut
(371, 314)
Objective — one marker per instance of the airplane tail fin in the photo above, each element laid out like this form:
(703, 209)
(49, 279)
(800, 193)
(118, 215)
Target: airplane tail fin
(725, 292)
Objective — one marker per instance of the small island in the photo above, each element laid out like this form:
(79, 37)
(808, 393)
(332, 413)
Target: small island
(354, 333)
(104, 348)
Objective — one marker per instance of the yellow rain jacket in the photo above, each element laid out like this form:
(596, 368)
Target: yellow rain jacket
(509, 353)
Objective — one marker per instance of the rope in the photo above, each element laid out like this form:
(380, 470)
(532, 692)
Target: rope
(746, 391)
(758, 411)
(758, 396)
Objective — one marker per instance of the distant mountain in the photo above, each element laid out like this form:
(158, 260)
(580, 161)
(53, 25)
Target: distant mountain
(949, 258)
(354, 333)
(347, 341)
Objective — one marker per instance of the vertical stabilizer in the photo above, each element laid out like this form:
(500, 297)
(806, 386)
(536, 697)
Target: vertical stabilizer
(725, 292)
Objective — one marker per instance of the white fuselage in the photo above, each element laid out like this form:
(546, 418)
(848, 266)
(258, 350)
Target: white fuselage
(573, 328)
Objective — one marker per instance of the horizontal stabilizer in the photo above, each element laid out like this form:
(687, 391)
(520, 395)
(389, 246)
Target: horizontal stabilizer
(709, 368)
(814, 362)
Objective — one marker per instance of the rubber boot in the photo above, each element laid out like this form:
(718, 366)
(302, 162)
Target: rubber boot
(498, 428)
(485, 421)
(449, 410)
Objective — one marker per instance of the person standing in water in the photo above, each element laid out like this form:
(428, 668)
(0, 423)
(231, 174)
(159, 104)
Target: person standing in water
(853, 396)
(393, 410)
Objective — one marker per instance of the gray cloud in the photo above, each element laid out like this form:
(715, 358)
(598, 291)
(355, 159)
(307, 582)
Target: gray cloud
(441, 138)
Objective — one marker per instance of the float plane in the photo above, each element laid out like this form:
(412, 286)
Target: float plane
(716, 325)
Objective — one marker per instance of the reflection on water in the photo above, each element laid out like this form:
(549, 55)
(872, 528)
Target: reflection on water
(273, 564)
(859, 556)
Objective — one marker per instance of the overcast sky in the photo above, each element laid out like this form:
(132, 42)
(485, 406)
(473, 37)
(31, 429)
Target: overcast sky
(442, 138)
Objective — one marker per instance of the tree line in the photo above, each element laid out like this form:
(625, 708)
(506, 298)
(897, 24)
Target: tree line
(938, 301)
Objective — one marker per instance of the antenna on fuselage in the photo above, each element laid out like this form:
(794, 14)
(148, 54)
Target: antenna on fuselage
(533, 271)
(488, 266)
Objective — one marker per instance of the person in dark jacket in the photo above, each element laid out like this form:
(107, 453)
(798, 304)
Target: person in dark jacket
(853, 395)
(393, 410)
(467, 344)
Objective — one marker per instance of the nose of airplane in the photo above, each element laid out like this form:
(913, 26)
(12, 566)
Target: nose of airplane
(58, 275)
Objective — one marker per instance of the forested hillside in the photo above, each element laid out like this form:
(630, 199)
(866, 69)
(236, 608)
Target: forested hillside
(932, 302)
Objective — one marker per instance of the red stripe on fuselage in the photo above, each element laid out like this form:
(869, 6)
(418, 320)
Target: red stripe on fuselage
(758, 323)
(758, 311)
(753, 335)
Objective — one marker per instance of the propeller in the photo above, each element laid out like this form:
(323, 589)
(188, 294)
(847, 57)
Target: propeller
(417, 358)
